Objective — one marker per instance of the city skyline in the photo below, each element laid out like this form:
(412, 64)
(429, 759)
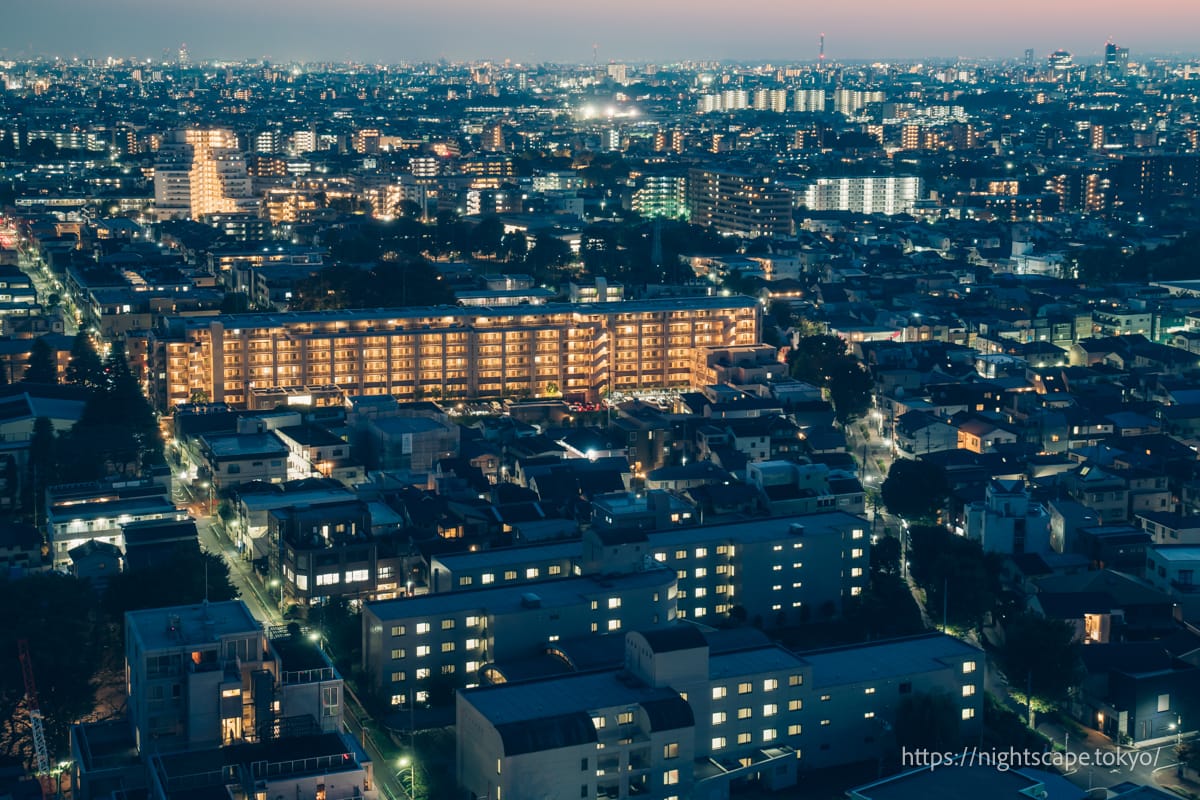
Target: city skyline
(540, 31)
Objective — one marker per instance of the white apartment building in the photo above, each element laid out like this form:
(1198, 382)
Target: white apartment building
(865, 195)
(208, 676)
(690, 711)
(776, 570)
(414, 645)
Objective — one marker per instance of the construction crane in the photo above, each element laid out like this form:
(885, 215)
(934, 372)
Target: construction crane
(35, 718)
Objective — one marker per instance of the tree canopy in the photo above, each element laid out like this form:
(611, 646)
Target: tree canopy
(1041, 655)
(41, 368)
(915, 490)
(961, 582)
(823, 361)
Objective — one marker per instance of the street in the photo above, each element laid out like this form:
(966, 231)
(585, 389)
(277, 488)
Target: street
(265, 609)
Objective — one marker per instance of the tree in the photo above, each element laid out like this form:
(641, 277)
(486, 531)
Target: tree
(885, 555)
(915, 490)
(961, 582)
(85, 368)
(1041, 656)
(187, 577)
(235, 303)
(515, 246)
(928, 721)
(823, 361)
(56, 615)
(487, 236)
(42, 465)
(41, 367)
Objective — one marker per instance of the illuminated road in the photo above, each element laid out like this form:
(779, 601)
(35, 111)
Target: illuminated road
(266, 610)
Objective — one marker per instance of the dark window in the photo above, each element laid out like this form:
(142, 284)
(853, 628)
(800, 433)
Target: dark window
(906, 688)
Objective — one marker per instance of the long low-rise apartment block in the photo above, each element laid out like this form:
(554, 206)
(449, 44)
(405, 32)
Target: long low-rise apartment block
(412, 646)
(773, 571)
(689, 711)
(576, 350)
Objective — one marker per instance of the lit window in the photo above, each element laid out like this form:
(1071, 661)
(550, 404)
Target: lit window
(447, 624)
(856, 534)
(824, 723)
(625, 718)
(795, 680)
(422, 651)
(968, 713)
(701, 552)
(744, 738)
(856, 572)
(671, 750)
(398, 653)
(531, 573)
(856, 552)
(745, 688)
(487, 577)
(869, 690)
(770, 709)
(968, 667)
(769, 734)
(869, 715)
(770, 684)
(422, 673)
(745, 712)
(794, 730)
(398, 630)
(718, 692)
(447, 647)
(969, 690)
(614, 624)
(701, 572)
(671, 777)
(614, 602)
(795, 705)
(422, 627)
(718, 742)
(718, 718)
(599, 721)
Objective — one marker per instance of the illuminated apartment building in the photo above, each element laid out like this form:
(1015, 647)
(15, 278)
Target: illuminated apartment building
(201, 171)
(865, 195)
(739, 204)
(576, 350)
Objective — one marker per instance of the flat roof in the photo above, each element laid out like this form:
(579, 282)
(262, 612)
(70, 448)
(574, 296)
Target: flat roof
(759, 529)
(884, 660)
(770, 658)
(271, 320)
(1178, 552)
(181, 626)
(244, 445)
(509, 555)
(507, 599)
(525, 702)
(950, 783)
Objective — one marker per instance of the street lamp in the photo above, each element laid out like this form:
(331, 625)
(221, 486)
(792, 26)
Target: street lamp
(276, 582)
(411, 765)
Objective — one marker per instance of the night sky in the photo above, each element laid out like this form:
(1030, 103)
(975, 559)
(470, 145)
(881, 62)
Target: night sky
(389, 31)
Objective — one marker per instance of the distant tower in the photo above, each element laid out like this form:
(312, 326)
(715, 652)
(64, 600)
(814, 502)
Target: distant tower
(1029, 58)
(184, 59)
(821, 55)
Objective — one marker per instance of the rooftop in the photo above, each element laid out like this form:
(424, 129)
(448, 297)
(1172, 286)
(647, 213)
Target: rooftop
(884, 660)
(510, 599)
(181, 626)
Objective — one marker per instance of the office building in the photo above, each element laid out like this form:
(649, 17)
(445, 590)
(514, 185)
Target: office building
(572, 350)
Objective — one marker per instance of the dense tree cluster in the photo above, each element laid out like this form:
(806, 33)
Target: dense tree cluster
(824, 362)
(961, 582)
(915, 490)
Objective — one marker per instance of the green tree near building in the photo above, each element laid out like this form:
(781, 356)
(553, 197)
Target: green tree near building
(42, 367)
(85, 369)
